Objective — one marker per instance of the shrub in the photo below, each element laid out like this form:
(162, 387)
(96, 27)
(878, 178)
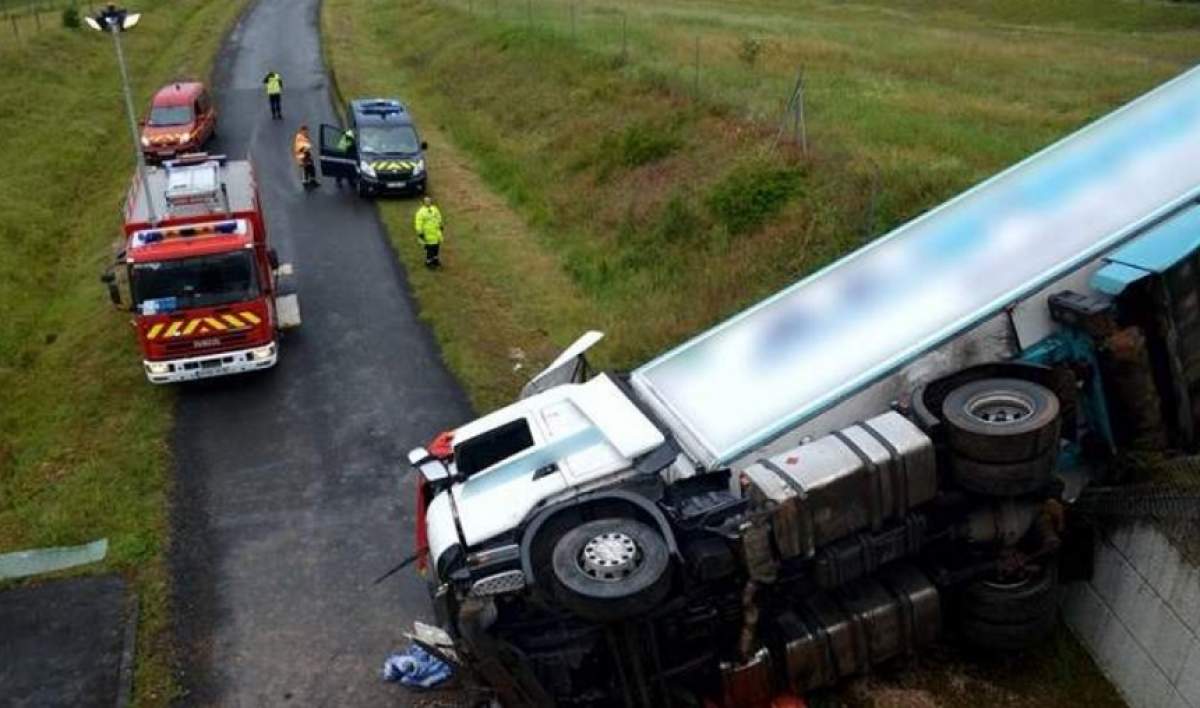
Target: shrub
(748, 51)
(643, 143)
(638, 144)
(70, 17)
(678, 222)
(751, 193)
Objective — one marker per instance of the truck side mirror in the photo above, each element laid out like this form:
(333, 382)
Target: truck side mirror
(114, 293)
(430, 467)
(273, 258)
(424, 145)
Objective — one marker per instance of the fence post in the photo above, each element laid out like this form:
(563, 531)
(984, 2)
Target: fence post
(803, 128)
(696, 82)
(37, 17)
(573, 30)
(16, 30)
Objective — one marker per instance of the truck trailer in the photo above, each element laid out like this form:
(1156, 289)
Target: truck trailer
(881, 454)
(207, 292)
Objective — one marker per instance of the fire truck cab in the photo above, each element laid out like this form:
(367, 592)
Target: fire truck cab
(207, 293)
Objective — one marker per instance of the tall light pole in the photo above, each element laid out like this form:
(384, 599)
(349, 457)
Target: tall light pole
(114, 21)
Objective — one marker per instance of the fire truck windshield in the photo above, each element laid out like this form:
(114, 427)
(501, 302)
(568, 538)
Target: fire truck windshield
(204, 281)
(161, 116)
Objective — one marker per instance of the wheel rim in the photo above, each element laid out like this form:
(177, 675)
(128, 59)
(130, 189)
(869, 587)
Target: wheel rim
(1001, 408)
(610, 556)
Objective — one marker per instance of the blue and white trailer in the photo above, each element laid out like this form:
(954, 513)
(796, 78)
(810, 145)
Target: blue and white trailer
(827, 480)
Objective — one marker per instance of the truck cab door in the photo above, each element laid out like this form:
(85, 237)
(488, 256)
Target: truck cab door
(336, 163)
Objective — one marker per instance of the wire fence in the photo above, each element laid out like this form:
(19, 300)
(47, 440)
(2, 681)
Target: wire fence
(22, 18)
(713, 67)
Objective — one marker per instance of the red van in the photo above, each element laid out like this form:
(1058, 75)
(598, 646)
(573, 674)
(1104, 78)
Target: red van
(182, 118)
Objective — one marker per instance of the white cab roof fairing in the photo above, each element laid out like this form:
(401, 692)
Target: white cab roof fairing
(769, 368)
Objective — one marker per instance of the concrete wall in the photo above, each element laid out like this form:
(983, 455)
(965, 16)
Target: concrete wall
(1139, 618)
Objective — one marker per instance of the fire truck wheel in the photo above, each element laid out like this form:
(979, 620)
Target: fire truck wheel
(1003, 479)
(1010, 615)
(1002, 420)
(611, 569)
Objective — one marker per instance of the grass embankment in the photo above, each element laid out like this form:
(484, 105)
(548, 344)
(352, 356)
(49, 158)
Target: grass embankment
(83, 451)
(590, 181)
(663, 211)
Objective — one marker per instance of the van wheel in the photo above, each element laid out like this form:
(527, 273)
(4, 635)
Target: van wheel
(611, 569)
(1010, 615)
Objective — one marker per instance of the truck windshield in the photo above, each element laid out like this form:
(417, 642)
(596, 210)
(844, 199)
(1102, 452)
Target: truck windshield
(204, 281)
(388, 140)
(161, 116)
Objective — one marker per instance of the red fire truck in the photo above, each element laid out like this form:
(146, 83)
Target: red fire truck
(207, 292)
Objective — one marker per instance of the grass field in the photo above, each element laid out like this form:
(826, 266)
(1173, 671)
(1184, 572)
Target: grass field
(83, 451)
(613, 165)
(663, 208)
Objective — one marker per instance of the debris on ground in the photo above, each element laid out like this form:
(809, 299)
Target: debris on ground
(21, 564)
(416, 668)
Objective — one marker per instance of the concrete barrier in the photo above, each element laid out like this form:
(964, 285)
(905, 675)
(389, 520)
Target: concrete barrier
(1139, 617)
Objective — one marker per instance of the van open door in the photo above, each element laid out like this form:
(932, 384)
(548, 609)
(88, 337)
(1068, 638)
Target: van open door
(336, 162)
(569, 367)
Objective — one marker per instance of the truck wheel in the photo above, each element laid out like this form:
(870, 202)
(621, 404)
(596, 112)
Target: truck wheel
(1003, 479)
(611, 569)
(1010, 615)
(1002, 420)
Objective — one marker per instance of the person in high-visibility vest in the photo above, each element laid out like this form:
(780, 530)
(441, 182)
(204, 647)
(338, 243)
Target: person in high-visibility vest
(428, 223)
(274, 83)
(302, 153)
(345, 145)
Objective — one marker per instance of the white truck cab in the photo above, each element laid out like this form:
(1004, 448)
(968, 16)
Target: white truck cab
(541, 449)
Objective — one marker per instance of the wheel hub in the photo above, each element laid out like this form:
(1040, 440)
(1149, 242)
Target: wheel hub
(1001, 408)
(609, 556)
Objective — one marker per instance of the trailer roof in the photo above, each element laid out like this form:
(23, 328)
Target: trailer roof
(792, 356)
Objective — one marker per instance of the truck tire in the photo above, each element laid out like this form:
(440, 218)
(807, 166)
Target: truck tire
(1010, 616)
(1002, 420)
(1003, 479)
(611, 569)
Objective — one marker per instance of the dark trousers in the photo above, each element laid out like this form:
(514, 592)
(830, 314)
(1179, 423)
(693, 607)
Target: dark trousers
(431, 254)
(276, 110)
(310, 171)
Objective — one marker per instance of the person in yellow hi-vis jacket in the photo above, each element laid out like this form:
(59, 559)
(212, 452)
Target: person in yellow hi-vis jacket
(428, 224)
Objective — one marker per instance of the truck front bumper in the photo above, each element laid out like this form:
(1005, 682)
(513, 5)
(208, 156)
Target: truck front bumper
(204, 367)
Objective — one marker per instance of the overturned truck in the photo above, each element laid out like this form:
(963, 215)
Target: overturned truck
(882, 452)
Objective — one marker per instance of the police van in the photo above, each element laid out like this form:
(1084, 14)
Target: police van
(379, 152)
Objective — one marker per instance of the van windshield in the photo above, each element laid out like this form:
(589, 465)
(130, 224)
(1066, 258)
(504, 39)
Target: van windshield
(388, 140)
(204, 281)
(162, 116)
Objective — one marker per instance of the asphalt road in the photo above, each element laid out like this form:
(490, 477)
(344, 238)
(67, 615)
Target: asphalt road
(291, 495)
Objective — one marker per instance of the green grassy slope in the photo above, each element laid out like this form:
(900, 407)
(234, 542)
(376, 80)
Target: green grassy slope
(83, 451)
(667, 208)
